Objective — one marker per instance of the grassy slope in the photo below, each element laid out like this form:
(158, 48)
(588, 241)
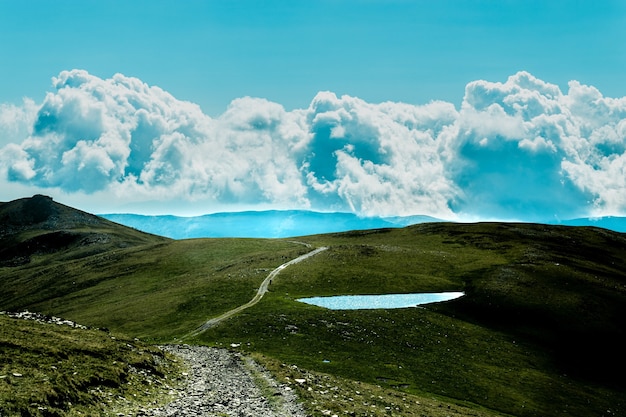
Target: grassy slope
(52, 370)
(516, 343)
(156, 292)
(535, 334)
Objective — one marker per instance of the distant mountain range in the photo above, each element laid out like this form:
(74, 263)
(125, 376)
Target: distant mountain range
(288, 223)
(617, 224)
(259, 224)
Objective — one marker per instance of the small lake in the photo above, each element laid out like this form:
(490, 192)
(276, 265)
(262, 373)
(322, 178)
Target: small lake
(387, 301)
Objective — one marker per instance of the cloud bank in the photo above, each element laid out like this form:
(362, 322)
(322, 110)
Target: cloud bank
(520, 149)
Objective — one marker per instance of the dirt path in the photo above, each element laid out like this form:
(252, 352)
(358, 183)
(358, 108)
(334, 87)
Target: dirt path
(260, 293)
(222, 383)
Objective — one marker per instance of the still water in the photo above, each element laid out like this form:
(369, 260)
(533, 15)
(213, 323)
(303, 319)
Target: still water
(370, 302)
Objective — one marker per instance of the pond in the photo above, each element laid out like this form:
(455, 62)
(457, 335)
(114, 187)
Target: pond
(387, 301)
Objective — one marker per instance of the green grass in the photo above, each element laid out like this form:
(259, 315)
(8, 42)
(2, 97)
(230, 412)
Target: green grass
(529, 338)
(325, 394)
(539, 331)
(155, 292)
(53, 370)
(414, 351)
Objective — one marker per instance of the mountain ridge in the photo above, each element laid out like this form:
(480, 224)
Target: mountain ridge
(290, 223)
(614, 223)
(259, 224)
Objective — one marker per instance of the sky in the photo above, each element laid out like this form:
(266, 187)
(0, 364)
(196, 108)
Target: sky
(474, 109)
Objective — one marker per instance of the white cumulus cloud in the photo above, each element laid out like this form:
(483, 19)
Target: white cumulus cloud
(16, 121)
(521, 148)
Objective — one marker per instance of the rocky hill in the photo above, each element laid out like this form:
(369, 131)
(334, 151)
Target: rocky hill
(40, 226)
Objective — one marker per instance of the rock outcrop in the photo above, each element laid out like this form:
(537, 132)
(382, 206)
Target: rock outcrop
(41, 318)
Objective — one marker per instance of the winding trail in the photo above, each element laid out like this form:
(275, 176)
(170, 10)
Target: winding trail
(259, 294)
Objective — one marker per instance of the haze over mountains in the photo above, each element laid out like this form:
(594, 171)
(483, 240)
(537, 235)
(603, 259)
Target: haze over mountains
(252, 224)
(287, 223)
(259, 224)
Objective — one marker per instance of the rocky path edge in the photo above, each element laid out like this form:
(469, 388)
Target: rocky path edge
(219, 382)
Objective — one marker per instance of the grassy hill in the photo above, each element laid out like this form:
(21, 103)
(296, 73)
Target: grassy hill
(108, 275)
(34, 228)
(539, 331)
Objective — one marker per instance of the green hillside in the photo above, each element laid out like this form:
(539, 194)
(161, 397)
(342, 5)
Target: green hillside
(37, 230)
(108, 275)
(539, 331)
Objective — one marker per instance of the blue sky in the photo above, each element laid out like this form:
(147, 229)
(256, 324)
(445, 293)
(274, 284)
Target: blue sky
(434, 62)
(211, 52)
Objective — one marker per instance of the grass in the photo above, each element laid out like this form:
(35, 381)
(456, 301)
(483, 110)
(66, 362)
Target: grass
(503, 346)
(539, 332)
(155, 292)
(325, 394)
(54, 370)
(414, 351)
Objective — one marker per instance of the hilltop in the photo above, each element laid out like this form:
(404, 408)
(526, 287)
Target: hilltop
(38, 225)
(538, 332)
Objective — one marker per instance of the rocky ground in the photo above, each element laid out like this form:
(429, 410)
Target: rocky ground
(223, 383)
(40, 318)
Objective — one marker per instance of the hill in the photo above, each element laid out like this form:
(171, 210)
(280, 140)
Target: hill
(38, 226)
(65, 262)
(538, 332)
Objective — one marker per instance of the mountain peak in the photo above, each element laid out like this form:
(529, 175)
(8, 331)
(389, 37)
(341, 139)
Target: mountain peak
(41, 212)
(38, 209)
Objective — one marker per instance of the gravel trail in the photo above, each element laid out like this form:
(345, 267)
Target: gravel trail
(223, 383)
(260, 293)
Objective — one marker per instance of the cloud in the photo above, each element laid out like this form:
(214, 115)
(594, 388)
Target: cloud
(379, 159)
(515, 149)
(16, 121)
(508, 149)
